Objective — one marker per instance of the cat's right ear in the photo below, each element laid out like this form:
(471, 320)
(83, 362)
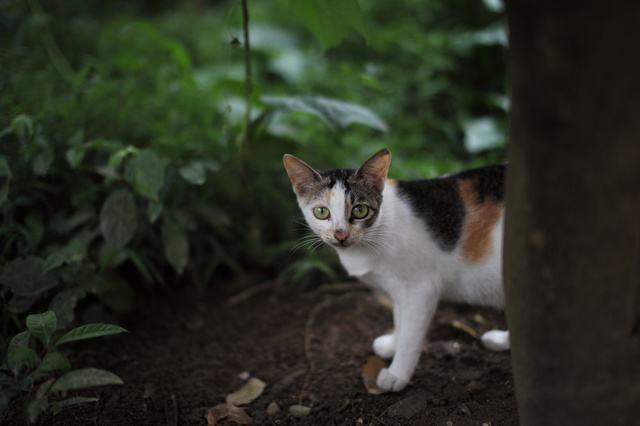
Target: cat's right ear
(302, 176)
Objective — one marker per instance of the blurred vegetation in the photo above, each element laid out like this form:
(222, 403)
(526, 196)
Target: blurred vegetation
(122, 154)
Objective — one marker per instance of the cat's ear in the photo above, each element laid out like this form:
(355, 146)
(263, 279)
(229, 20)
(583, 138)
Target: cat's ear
(302, 175)
(374, 170)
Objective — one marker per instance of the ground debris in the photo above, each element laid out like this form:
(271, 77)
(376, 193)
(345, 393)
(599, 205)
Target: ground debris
(273, 408)
(247, 393)
(459, 325)
(370, 374)
(227, 411)
(298, 410)
(408, 407)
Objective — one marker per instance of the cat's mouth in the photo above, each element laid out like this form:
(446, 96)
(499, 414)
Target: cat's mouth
(341, 244)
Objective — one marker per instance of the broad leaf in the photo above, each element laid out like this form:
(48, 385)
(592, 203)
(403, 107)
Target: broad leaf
(19, 357)
(90, 331)
(42, 162)
(176, 245)
(118, 218)
(23, 126)
(25, 277)
(145, 172)
(331, 21)
(336, 114)
(42, 326)
(85, 378)
(36, 408)
(43, 389)
(154, 210)
(57, 407)
(54, 361)
(194, 172)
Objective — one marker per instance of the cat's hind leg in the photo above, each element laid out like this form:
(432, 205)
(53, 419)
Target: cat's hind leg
(496, 340)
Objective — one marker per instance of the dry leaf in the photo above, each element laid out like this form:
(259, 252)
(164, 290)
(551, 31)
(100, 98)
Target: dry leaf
(370, 374)
(299, 410)
(238, 415)
(227, 411)
(217, 413)
(383, 299)
(247, 393)
(465, 328)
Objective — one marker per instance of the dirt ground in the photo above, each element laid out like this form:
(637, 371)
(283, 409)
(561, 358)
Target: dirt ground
(183, 357)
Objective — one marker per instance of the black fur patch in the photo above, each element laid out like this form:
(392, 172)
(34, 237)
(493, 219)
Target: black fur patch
(438, 200)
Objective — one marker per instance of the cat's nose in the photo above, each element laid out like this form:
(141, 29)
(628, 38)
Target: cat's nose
(341, 235)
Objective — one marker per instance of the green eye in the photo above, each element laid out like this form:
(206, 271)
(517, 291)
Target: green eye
(360, 211)
(321, 213)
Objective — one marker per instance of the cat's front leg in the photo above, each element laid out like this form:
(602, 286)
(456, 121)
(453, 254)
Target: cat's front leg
(385, 346)
(416, 305)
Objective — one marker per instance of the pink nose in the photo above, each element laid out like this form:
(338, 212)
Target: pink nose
(341, 235)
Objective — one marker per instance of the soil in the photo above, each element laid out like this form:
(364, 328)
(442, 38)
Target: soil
(183, 357)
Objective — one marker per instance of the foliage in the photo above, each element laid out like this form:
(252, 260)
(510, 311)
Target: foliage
(118, 166)
(34, 366)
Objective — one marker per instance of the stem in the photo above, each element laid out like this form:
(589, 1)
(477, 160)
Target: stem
(248, 82)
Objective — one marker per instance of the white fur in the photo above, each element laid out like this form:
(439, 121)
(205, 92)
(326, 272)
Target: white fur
(408, 264)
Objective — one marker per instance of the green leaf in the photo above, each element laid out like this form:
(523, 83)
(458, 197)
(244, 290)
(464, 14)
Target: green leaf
(90, 331)
(118, 218)
(331, 21)
(43, 389)
(75, 155)
(73, 252)
(42, 162)
(336, 114)
(145, 172)
(25, 277)
(194, 172)
(23, 126)
(64, 304)
(117, 157)
(36, 408)
(154, 210)
(53, 361)
(5, 170)
(42, 326)
(85, 378)
(176, 245)
(57, 407)
(19, 357)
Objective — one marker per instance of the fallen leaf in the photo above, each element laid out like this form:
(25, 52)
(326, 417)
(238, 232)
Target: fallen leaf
(217, 413)
(247, 393)
(273, 408)
(238, 415)
(299, 410)
(464, 328)
(383, 299)
(370, 374)
(227, 411)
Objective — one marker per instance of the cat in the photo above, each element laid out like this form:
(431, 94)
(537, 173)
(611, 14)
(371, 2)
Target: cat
(418, 241)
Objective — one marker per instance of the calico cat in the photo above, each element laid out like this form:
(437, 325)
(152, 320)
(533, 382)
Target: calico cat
(419, 241)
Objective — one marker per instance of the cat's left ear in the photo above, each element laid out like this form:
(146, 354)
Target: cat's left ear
(374, 170)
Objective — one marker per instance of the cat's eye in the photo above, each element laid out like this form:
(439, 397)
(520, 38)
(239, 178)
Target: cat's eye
(360, 211)
(321, 213)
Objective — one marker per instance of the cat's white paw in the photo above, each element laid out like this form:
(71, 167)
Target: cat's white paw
(385, 346)
(496, 340)
(389, 382)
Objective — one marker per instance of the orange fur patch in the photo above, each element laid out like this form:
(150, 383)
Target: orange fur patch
(479, 221)
(391, 182)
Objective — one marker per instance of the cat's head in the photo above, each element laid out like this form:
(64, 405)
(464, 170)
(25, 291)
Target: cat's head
(340, 205)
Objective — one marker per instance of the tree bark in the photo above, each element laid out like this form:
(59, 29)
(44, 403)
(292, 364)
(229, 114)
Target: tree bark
(572, 231)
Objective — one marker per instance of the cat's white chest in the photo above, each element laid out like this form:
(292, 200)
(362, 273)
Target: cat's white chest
(357, 263)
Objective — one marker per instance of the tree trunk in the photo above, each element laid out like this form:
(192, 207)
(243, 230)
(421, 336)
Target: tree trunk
(572, 233)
